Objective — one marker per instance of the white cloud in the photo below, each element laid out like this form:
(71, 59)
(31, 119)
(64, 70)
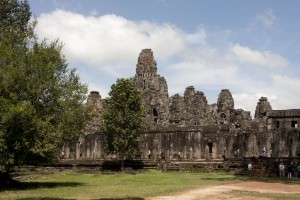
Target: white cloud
(112, 44)
(97, 87)
(265, 58)
(285, 81)
(288, 91)
(196, 38)
(94, 12)
(248, 100)
(109, 38)
(267, 19)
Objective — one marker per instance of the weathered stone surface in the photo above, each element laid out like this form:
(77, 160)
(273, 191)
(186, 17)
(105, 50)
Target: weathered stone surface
(154, 90)
(263, 106)
(189, 125)
(95, 106)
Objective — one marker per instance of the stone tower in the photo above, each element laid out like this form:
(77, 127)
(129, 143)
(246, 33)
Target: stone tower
(95, 106)
(177, 110)
(263, 106)
(225, 105)
(154, 90)
(196, 107)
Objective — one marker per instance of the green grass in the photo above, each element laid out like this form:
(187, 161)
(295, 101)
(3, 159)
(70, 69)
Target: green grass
(272, 180)
(271, 196)
(71, 185)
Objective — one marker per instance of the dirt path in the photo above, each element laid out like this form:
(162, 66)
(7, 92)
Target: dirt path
(219, 192)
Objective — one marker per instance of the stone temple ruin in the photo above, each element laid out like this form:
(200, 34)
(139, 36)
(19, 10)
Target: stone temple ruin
(188, 125)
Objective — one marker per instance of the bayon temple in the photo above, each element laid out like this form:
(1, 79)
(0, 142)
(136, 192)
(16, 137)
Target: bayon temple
(191, 127)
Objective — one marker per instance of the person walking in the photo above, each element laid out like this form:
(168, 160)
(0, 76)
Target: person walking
(281, 170)
(290, 169)
(249, 168)
(295, 171)
(264, 152)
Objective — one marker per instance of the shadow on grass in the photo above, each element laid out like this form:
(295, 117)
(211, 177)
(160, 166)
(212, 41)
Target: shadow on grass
(254, 178)
(50, 198)
(130, 198)
(273, 180)
(16, 185)
(223, 178)
(42, 198)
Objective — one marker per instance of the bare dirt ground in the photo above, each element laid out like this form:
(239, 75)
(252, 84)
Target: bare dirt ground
(222, 192)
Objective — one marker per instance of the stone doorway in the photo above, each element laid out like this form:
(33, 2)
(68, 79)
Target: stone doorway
(210, 149)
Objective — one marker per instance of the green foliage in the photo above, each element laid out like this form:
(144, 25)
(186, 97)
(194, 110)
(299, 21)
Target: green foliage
(123, 120)
(15, 20)
(41, 100)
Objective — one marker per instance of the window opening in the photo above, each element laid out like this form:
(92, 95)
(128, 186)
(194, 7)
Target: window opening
(155, 114)
(294, 124)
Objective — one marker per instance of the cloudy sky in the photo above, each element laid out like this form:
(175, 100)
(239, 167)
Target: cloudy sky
(250, 47)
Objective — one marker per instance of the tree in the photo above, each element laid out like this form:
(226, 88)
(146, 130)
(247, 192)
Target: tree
(41, 99)
(122, 121)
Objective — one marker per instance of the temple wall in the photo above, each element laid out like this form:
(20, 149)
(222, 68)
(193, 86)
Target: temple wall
(196, 144)
(189, 125)
(188, 143)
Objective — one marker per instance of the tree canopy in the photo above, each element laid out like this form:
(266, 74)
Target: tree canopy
(41, 99)
(122, 120)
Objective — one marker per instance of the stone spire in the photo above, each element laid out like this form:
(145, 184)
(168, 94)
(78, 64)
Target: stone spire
(225, 101)
(95, 106)
(225, 105)
(146, 65)
(195, 106)
(154, 90)
(263, 106)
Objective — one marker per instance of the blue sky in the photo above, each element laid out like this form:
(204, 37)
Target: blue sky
(250, 47)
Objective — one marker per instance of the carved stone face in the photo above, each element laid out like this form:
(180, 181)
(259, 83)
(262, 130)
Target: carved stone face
(225, 100)
(263, 106)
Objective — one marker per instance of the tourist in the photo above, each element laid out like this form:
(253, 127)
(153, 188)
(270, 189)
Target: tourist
(149, 154)
(295, 171)
(224, 154)
(175, 154)
(249, 166)
(298, 153)
(298, 170)
(281, 170)
(270, 152)
(290, 170)
(264, 152)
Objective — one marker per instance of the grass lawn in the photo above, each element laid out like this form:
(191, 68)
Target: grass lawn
(259, 195)
(72, 185)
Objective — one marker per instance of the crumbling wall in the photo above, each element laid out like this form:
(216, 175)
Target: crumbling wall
(189, 125)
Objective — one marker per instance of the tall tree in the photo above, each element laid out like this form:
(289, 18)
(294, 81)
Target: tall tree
(41, 99)
(122, 121)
